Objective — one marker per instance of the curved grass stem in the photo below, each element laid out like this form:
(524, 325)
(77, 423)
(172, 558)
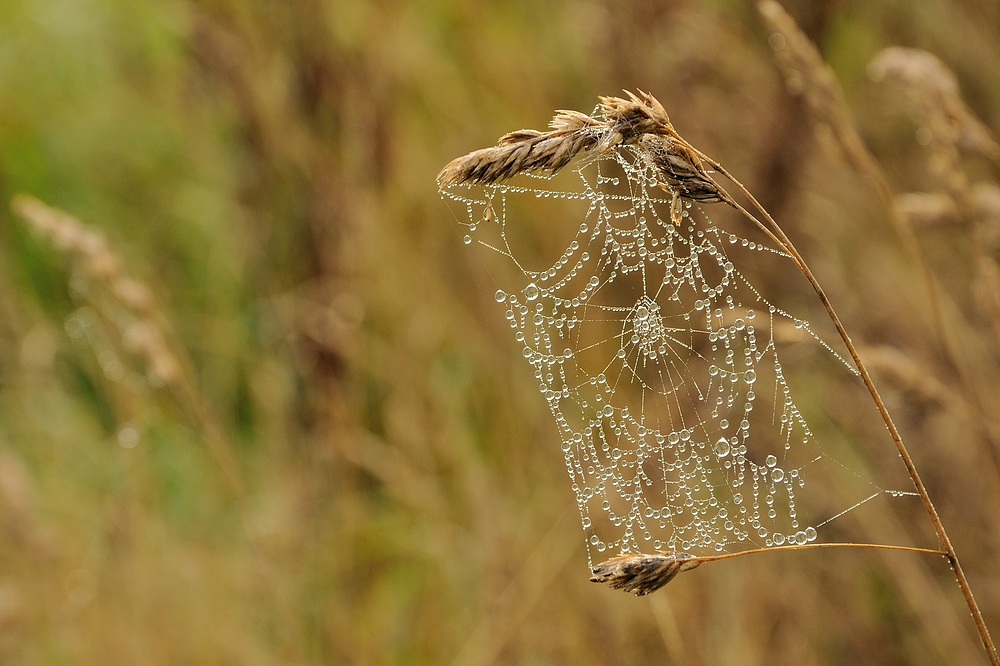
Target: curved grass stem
(946, 546)
(808, 546)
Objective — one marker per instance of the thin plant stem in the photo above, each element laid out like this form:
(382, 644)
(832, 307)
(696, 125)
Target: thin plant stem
(826, 102)
(806, 546)
(945, 541)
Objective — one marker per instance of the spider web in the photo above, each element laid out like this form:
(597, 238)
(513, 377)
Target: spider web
(657, 358)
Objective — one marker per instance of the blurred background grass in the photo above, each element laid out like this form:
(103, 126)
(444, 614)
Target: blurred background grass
(267, 170)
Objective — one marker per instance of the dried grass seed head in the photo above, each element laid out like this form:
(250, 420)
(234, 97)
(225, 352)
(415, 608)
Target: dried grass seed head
(935, 90)
(526, 151)
(640, 120)
(631, 118)
(642, 574)
(680, 167)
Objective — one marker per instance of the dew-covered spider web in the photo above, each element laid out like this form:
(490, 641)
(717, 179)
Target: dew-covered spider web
(656, 356)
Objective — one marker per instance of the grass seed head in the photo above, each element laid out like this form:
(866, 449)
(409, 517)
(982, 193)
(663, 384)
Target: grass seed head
(641, 574)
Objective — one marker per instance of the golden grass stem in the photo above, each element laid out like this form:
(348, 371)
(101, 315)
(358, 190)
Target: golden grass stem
(807, 546)
(945, 541)
(801, 61)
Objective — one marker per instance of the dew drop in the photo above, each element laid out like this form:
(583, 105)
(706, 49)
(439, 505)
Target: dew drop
(531, 292)
(777, 474)
(810, 534)
(501, 296)
(722, 447)
(770, 461)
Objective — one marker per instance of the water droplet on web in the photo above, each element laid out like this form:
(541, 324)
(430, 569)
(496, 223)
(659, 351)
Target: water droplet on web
(811, 534)
(500, 296)
(771, 461)
(777, 474)
(722, 447)
(642, 313)
(467, 240)
(531, 292)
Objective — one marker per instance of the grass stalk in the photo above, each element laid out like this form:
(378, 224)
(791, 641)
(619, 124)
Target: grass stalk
(808, 546)
(945, 542)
